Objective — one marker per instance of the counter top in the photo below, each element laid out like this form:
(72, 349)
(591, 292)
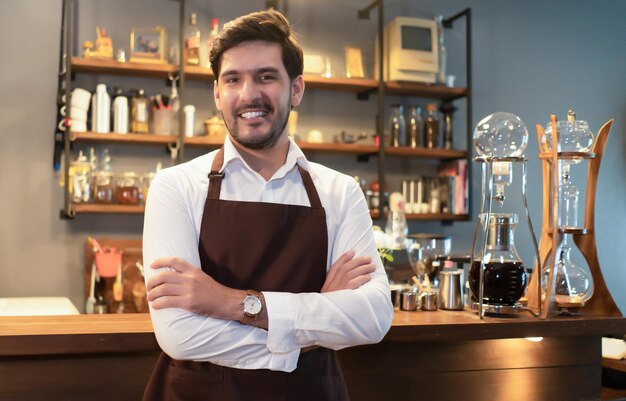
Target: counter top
(38, 335)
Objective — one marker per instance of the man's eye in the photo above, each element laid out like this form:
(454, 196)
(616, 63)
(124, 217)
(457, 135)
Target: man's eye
(267, 77)
(232, 80)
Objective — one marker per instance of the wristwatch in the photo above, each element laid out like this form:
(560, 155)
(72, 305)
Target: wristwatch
(252, 305)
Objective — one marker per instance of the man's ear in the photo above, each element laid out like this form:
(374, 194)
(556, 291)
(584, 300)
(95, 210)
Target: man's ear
(216, 95)
(297, 91)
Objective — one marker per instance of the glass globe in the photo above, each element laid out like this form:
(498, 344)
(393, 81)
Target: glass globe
(500, 135)
(573, 136)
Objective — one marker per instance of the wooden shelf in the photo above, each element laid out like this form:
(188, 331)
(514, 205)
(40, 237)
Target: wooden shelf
(122, 138)
(425, 90)
(150, 70)
(352, 148)
(355, 85)
(427, 153)
(197, 73)
(112, 209)
(208, 141)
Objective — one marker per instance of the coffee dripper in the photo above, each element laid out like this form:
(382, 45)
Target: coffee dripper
(498, 276)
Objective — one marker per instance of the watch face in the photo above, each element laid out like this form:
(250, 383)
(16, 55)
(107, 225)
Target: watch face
(252, 305)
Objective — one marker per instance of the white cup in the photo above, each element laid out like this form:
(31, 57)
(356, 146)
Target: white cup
(81, 98)
(78, 114)
(79, 126)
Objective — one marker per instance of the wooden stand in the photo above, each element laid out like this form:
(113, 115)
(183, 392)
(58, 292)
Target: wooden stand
(601, 303)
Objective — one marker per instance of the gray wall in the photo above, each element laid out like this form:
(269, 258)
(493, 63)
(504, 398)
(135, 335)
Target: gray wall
(531, 58)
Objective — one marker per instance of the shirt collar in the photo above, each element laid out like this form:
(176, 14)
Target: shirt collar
(294, 155)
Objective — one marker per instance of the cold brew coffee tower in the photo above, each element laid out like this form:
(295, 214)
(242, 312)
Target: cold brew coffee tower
(571, 286)
(498, 276)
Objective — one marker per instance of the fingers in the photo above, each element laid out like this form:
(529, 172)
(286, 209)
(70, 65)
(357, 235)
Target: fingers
(165, 290)
(175, 263)
(162, 278)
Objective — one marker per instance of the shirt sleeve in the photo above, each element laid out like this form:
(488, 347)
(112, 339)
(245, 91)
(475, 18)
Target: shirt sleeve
(341, 318)
(169, 230)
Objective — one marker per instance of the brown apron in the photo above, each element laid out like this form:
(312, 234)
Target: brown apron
(266, 247)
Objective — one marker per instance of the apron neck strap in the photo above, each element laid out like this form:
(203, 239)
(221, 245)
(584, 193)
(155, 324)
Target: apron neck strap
(215, 177)
(215, 181)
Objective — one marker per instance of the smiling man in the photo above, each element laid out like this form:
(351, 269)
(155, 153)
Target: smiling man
(262, 263)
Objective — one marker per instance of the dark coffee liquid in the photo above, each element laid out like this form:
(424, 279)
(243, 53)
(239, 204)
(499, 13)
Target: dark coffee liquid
(505, 282)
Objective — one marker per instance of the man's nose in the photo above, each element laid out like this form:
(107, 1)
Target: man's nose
(249, 90)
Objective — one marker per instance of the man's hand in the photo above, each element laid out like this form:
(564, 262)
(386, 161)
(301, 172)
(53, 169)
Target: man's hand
(348, 272)
(189, 288)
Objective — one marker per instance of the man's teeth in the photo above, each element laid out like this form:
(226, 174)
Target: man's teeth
(253, 114)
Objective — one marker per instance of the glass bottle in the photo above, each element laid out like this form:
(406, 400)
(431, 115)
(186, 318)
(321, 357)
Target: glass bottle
(212, 35)
(431, 126)
(416, 127)
(504, 277)
(397, 126)
(192, 42)
(139, 113)
(447, 109)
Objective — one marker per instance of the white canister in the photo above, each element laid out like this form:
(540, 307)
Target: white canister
(120, 115)
(101, 110)
(189, 111)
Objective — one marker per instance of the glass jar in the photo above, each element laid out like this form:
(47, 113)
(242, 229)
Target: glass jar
(127, 189)
(103, 187)
(146, 180)
(79, 173)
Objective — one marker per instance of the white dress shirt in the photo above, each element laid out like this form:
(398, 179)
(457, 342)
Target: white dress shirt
(334, 320)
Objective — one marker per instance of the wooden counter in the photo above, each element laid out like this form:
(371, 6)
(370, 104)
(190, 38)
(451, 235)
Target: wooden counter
(438, 355)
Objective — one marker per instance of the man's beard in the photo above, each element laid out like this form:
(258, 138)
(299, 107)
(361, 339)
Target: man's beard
(263, 142)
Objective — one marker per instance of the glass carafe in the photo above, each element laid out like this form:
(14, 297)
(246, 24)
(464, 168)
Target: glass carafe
(504, 277)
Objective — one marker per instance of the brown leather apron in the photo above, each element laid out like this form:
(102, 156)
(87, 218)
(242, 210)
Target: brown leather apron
(266, 247)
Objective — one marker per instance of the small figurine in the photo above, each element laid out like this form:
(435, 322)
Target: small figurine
(103, 47)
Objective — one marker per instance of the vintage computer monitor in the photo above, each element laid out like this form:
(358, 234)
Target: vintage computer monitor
(411, 51)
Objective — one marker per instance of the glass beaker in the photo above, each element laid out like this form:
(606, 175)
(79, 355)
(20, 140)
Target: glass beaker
(504, 276)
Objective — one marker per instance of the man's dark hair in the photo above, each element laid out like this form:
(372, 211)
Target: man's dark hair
(270, 26)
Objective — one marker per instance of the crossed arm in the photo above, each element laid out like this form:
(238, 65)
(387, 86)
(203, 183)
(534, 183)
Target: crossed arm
(187, 287)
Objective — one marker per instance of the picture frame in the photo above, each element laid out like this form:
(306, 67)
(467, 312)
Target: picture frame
(354, 62)
(147, 45)
(314, 64)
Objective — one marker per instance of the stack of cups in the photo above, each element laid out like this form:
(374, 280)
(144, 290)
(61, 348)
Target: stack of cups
(79, 108)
